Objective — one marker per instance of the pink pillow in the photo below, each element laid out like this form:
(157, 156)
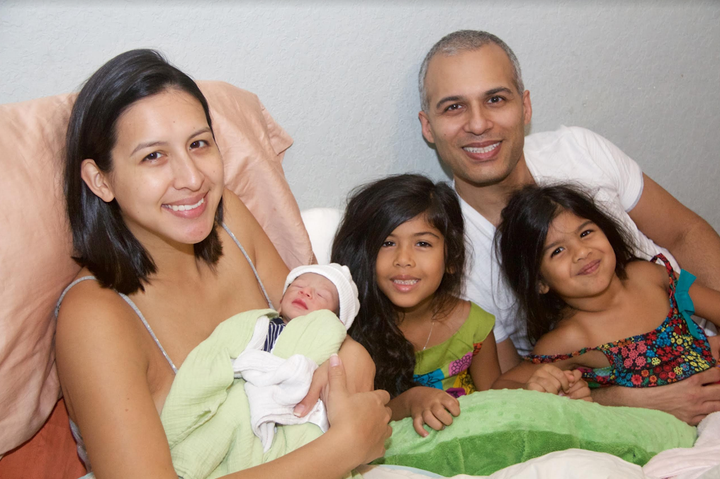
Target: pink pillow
(36, 243)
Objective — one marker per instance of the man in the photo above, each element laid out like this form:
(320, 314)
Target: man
(474, 110)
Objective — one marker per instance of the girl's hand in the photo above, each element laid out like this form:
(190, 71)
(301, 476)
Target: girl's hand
(362, 417)
(426, 405)
(551, 379)
(579, 388)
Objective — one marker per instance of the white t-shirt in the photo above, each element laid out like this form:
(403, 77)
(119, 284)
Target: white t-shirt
(570, 154)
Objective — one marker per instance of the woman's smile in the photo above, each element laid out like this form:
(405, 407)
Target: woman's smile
(185, 209)
(166, 161)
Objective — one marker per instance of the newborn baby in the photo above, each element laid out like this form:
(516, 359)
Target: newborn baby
(312, 288)
(275, 383)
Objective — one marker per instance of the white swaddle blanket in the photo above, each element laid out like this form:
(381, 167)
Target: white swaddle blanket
(274, 386)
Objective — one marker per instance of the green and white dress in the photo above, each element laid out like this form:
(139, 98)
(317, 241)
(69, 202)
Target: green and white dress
(446, 365)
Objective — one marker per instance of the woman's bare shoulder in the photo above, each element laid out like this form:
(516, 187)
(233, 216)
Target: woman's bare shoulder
(234, 209)
(95, 324)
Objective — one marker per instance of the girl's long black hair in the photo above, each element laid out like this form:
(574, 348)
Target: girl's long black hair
(373, 212)
(520, 239)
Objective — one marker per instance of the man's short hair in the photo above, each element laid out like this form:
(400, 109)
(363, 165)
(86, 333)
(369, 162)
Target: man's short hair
(460, 41)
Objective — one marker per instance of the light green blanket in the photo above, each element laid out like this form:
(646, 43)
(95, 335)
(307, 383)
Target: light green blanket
(206, 415)
(497, 429)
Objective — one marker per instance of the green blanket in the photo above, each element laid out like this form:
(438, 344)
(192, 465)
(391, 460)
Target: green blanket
(206, 414)
(497, 429)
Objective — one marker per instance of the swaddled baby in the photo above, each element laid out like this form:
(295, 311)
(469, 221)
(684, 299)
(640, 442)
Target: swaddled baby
(312, 288)
(275, 385)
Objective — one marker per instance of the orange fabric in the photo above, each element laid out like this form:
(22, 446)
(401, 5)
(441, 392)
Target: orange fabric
(50, 454)
(36, 243)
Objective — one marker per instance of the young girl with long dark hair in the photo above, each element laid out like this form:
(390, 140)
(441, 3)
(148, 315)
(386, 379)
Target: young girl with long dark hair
(590, 303)
(402, 238)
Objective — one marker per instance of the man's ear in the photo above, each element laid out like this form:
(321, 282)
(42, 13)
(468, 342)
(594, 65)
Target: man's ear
(543, 288)
(96, 180)
(426, 129)
(527, 107)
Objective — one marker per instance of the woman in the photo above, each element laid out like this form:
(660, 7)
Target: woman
(151, 225)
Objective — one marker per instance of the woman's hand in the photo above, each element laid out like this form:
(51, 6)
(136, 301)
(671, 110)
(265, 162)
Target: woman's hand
(359, 370)
(426, 405)
(362, 417)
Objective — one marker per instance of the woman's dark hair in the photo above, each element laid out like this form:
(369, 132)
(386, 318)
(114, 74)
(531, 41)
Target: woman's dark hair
(101, 240)
(373, 212)
(520, 240)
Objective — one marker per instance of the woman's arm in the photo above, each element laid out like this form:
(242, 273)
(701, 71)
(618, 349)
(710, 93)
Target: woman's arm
(104, 374)
(261, 250)
(357, 434)
(103, 371)
(359, 369)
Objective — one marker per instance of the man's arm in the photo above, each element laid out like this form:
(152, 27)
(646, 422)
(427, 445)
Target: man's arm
(689, 400)
(670, 224)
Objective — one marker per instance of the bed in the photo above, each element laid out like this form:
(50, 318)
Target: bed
(34, 435)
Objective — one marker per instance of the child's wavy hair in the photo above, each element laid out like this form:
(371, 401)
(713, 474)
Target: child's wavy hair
(520, 240)
(373, 212)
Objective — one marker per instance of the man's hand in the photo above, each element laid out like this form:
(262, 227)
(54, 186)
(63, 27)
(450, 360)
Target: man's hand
(689, 400)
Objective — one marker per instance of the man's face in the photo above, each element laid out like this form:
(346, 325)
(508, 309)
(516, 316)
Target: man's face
(476, 117)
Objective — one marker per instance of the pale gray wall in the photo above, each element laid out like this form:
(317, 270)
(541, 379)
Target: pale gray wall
(340, 76)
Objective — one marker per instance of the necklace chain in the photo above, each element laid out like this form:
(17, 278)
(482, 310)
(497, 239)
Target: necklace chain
(432, 324)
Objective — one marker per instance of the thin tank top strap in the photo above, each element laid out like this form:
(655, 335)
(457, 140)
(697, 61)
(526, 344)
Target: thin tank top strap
(666, 263)
(551, 358)
(132, 305)
(149, 329)
(252, 266)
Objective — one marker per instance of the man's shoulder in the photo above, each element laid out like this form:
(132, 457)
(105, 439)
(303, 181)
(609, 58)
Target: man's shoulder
(564, 134)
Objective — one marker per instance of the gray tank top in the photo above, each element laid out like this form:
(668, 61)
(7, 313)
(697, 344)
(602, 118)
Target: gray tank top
(73, 427)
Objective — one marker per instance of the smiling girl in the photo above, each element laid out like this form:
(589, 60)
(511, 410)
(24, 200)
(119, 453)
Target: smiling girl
(590, 303)
(402, 238)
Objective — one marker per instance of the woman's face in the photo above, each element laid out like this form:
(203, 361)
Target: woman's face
(167, 172)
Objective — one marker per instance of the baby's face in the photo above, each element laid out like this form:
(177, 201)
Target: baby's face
(309, 292)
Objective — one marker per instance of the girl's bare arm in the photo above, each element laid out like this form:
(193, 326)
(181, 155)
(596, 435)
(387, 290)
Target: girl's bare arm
(485, 367)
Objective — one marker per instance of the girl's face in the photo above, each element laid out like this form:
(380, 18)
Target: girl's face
(411, 264)
(167, 172)
(577, 259)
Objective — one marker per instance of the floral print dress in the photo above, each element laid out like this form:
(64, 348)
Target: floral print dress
(673, 351)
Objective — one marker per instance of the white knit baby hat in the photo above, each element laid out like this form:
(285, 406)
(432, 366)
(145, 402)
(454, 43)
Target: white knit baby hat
(340, 276)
